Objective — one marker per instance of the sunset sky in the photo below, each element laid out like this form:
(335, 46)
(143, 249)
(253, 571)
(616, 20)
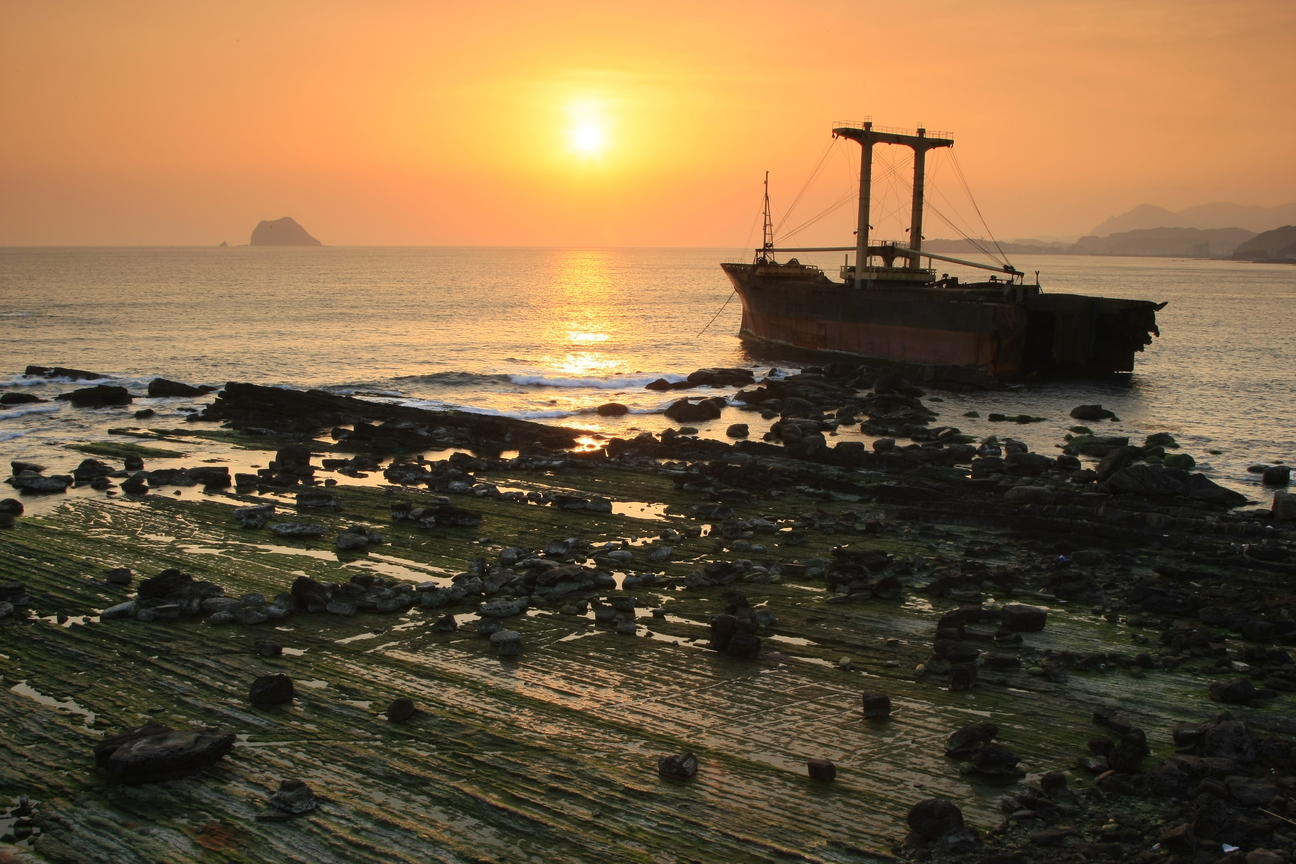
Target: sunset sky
(607, 123)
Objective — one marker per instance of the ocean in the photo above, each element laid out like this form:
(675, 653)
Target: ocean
(551, 334)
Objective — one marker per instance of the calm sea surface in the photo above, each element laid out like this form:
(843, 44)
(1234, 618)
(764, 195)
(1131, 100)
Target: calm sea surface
(549, 334)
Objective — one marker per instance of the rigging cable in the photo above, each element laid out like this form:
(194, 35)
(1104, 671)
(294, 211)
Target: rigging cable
(813, 174)
(959, 170)
(717, 315)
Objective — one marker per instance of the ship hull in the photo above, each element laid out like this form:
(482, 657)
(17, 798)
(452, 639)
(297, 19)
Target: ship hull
(1004, 329)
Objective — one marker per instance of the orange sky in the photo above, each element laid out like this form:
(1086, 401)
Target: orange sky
(451, 123)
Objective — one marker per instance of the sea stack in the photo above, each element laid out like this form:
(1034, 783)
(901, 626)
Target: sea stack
(282, 232)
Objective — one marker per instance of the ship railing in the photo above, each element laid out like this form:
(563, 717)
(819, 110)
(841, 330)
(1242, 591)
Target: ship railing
(893, 130)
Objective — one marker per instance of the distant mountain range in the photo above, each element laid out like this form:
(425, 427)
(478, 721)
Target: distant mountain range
(1215, 230)
(1276, 245)
(1204, 216)
(1159, 242)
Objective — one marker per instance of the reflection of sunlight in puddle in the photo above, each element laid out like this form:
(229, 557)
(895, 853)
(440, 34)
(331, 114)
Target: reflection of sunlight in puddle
(314, 685)
(69, 704)
(792, 640)
(581, 634)
(295, 652)
(357, 703)
(360, 637)
(639, 509)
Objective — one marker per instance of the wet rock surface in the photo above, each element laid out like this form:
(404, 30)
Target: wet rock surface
(971, 582)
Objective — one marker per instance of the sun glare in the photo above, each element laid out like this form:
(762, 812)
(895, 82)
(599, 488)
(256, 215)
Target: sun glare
(587, 138)
(587, 126)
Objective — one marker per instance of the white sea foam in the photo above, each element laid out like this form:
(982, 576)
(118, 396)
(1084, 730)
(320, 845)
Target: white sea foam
(592, 383)
(13, 413)
(9, 436)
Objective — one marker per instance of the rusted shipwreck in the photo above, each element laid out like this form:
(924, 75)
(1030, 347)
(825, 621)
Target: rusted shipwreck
(889, 307)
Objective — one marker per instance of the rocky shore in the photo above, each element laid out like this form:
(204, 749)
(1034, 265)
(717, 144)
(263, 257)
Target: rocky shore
(411, 635)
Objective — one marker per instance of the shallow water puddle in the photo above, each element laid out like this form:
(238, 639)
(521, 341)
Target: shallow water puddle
(22, 688)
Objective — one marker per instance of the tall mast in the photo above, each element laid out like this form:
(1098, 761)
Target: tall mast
(866, 136)
(768, 243)
(865, 194)
(919, 184)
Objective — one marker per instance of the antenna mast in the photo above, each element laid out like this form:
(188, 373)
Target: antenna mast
(767, 245)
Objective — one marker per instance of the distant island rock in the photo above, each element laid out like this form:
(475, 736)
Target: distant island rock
(282, 232)
(1275, 245)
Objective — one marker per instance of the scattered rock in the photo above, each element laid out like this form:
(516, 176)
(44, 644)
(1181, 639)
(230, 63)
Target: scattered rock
(680, 767)
(401, 710)
(155, 752)
(271, 690)
(1091, 412)
(821, 769)
(1020, 618)
(877, 706)
(508, 643)
(293, 796)
(935, 819)
(267, 648)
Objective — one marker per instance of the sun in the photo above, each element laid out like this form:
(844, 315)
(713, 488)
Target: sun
(588, 138)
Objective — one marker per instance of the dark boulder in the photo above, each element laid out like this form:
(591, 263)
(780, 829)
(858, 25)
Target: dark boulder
(1019, 618)
(401, 710)
(1147, 480)
(161, 387)
(955, 651)
(680, 767)
(1276, 475)
(62, 372)
(1237, 692)
(1091, 412)
(293, 796)
(310, 595)
(1202, 488)
(169, 583)
(271, 690)
(684, 411)
(155, 752)
(12, 506)
(994, 760)
(612, 409)
(101, 396)
(962, 677)
(877, 706)
(965, 740)
(821, 769)
(19, 398)
(1117, 459)
(267, 648)
(744, 646)
(1128, 755)
(934, 819)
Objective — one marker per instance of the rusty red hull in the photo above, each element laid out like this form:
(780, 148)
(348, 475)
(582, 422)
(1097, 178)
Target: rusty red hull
(1006, 330)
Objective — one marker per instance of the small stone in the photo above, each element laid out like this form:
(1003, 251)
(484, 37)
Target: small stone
(267, 648)
(680, 767)
(507, 642)
(934, 819)
(1019, 618)
(271, 690)
(821, 769)
(401, 710)
(877, 706)
(293, 796)
(119, 576)
(965, 740)
(445, 624)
